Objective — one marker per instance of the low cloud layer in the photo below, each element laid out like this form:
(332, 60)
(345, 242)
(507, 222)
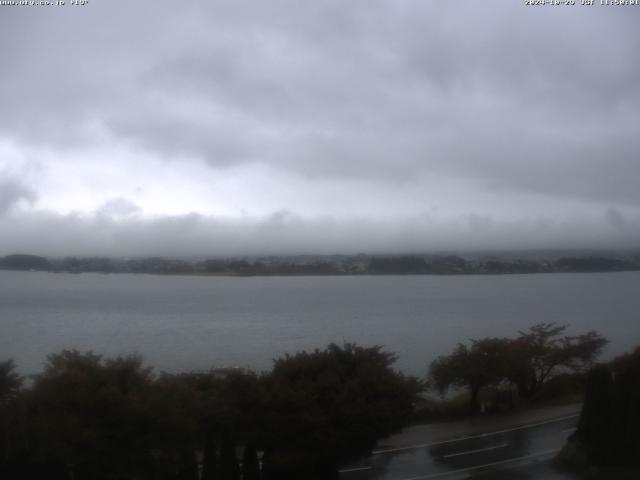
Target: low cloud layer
(285, 232)
(165, 127)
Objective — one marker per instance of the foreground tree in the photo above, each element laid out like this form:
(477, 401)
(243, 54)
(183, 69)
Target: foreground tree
(607, 434)
(474, 367)
(229, 468)
(597, 411)
(10, 381)
(10, 384)
(543, 351)
(330, 405)
(527, 361)
(210, 470)
(250, 463)
(93, 416)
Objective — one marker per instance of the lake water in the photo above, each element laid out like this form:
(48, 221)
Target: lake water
(192, 323)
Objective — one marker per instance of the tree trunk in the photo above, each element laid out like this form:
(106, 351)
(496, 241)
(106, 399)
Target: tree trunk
(210, 469)
(523, 393)
(475, 390)
(250, 465)
(229, 468)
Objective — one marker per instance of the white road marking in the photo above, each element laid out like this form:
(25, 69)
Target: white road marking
(569, 429)
(477, 450)
(477, 467)
(482, 435)
(355, 469)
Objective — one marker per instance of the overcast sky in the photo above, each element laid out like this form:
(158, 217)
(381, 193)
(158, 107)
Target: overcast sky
(241, 127)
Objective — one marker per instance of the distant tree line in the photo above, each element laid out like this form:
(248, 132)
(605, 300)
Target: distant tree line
(89, 417)
(449, 265)
(323, 265)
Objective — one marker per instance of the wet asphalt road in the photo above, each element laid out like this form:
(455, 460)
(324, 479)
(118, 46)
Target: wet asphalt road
(520, 452)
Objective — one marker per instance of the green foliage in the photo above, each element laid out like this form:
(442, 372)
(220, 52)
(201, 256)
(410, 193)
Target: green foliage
(564, 387)
(10, 385)
(398, 265)
(187, 465)
(528, 361)
(542, 351)
(229, 467)
(210, 467)
(250, 464)
(89, 417)
(24, 262)
(93, 414)
(10, 381)
(610, 418)
(332, 404)
(592, 264)
(474, 367)
(595, 421)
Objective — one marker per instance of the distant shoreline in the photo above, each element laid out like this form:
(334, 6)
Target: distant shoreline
(363, 274)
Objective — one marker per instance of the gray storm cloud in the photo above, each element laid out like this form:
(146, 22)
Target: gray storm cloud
(118, 208)
(12, 192)
(455, 103)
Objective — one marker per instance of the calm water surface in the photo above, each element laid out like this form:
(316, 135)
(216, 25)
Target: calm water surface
(184, 323)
